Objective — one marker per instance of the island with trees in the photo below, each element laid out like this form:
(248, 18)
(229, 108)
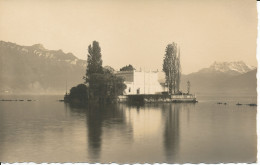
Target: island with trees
(101, 84)
(104, 85)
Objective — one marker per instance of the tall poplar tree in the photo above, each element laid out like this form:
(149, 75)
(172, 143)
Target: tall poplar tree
(94, 61)
(172, 68)
(178, 68)
(103, 85)
(168, 67)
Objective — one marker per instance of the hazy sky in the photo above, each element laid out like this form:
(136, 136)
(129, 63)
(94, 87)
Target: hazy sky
(137, 31)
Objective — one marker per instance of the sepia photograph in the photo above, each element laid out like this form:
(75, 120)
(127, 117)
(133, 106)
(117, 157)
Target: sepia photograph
(128, 81)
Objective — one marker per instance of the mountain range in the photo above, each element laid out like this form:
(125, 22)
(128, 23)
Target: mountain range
(35, 69)
(220, 77)
(219, 81)
(230, 68)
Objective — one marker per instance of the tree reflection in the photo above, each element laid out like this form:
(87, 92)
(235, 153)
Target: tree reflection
(94, 121)
(99, 117)
(172, 131)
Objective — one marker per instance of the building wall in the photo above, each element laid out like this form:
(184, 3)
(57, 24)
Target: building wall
(140, 82)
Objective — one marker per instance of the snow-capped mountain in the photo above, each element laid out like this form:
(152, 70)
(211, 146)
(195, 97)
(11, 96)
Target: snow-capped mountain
(233, 68)
(225, 77)
(234, 77)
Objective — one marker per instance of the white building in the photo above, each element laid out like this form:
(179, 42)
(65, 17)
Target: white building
(140, 82)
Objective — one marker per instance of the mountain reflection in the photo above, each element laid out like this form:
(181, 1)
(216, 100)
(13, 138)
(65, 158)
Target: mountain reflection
(99, 117)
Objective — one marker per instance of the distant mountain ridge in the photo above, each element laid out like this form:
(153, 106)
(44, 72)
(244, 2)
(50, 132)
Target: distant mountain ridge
(221, 82)
(229, 77)
(39, 50)
(34, 69)
(235, 68)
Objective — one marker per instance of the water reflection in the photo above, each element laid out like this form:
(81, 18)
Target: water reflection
(171, 131)
(50, 131)
(99, 117)
(173, 114)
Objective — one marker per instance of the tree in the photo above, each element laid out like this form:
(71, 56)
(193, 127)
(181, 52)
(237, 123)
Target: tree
(106, 87)
(77, 94)
(103, 85)
(172, 67)
(178, 68)
(108, 69)
(94, 61)
(127, 68)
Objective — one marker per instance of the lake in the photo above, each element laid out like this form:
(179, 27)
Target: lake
(46, 130)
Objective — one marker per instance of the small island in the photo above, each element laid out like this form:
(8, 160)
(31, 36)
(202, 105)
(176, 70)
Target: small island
(105, 85)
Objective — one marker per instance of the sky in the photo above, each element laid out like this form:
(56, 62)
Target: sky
(137, 31)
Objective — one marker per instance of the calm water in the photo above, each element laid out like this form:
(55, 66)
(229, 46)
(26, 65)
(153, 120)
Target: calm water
(50, 131)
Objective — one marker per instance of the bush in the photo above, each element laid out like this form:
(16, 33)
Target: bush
(77, 94)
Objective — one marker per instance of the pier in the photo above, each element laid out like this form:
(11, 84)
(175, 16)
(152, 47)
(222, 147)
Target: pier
(157, 98)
